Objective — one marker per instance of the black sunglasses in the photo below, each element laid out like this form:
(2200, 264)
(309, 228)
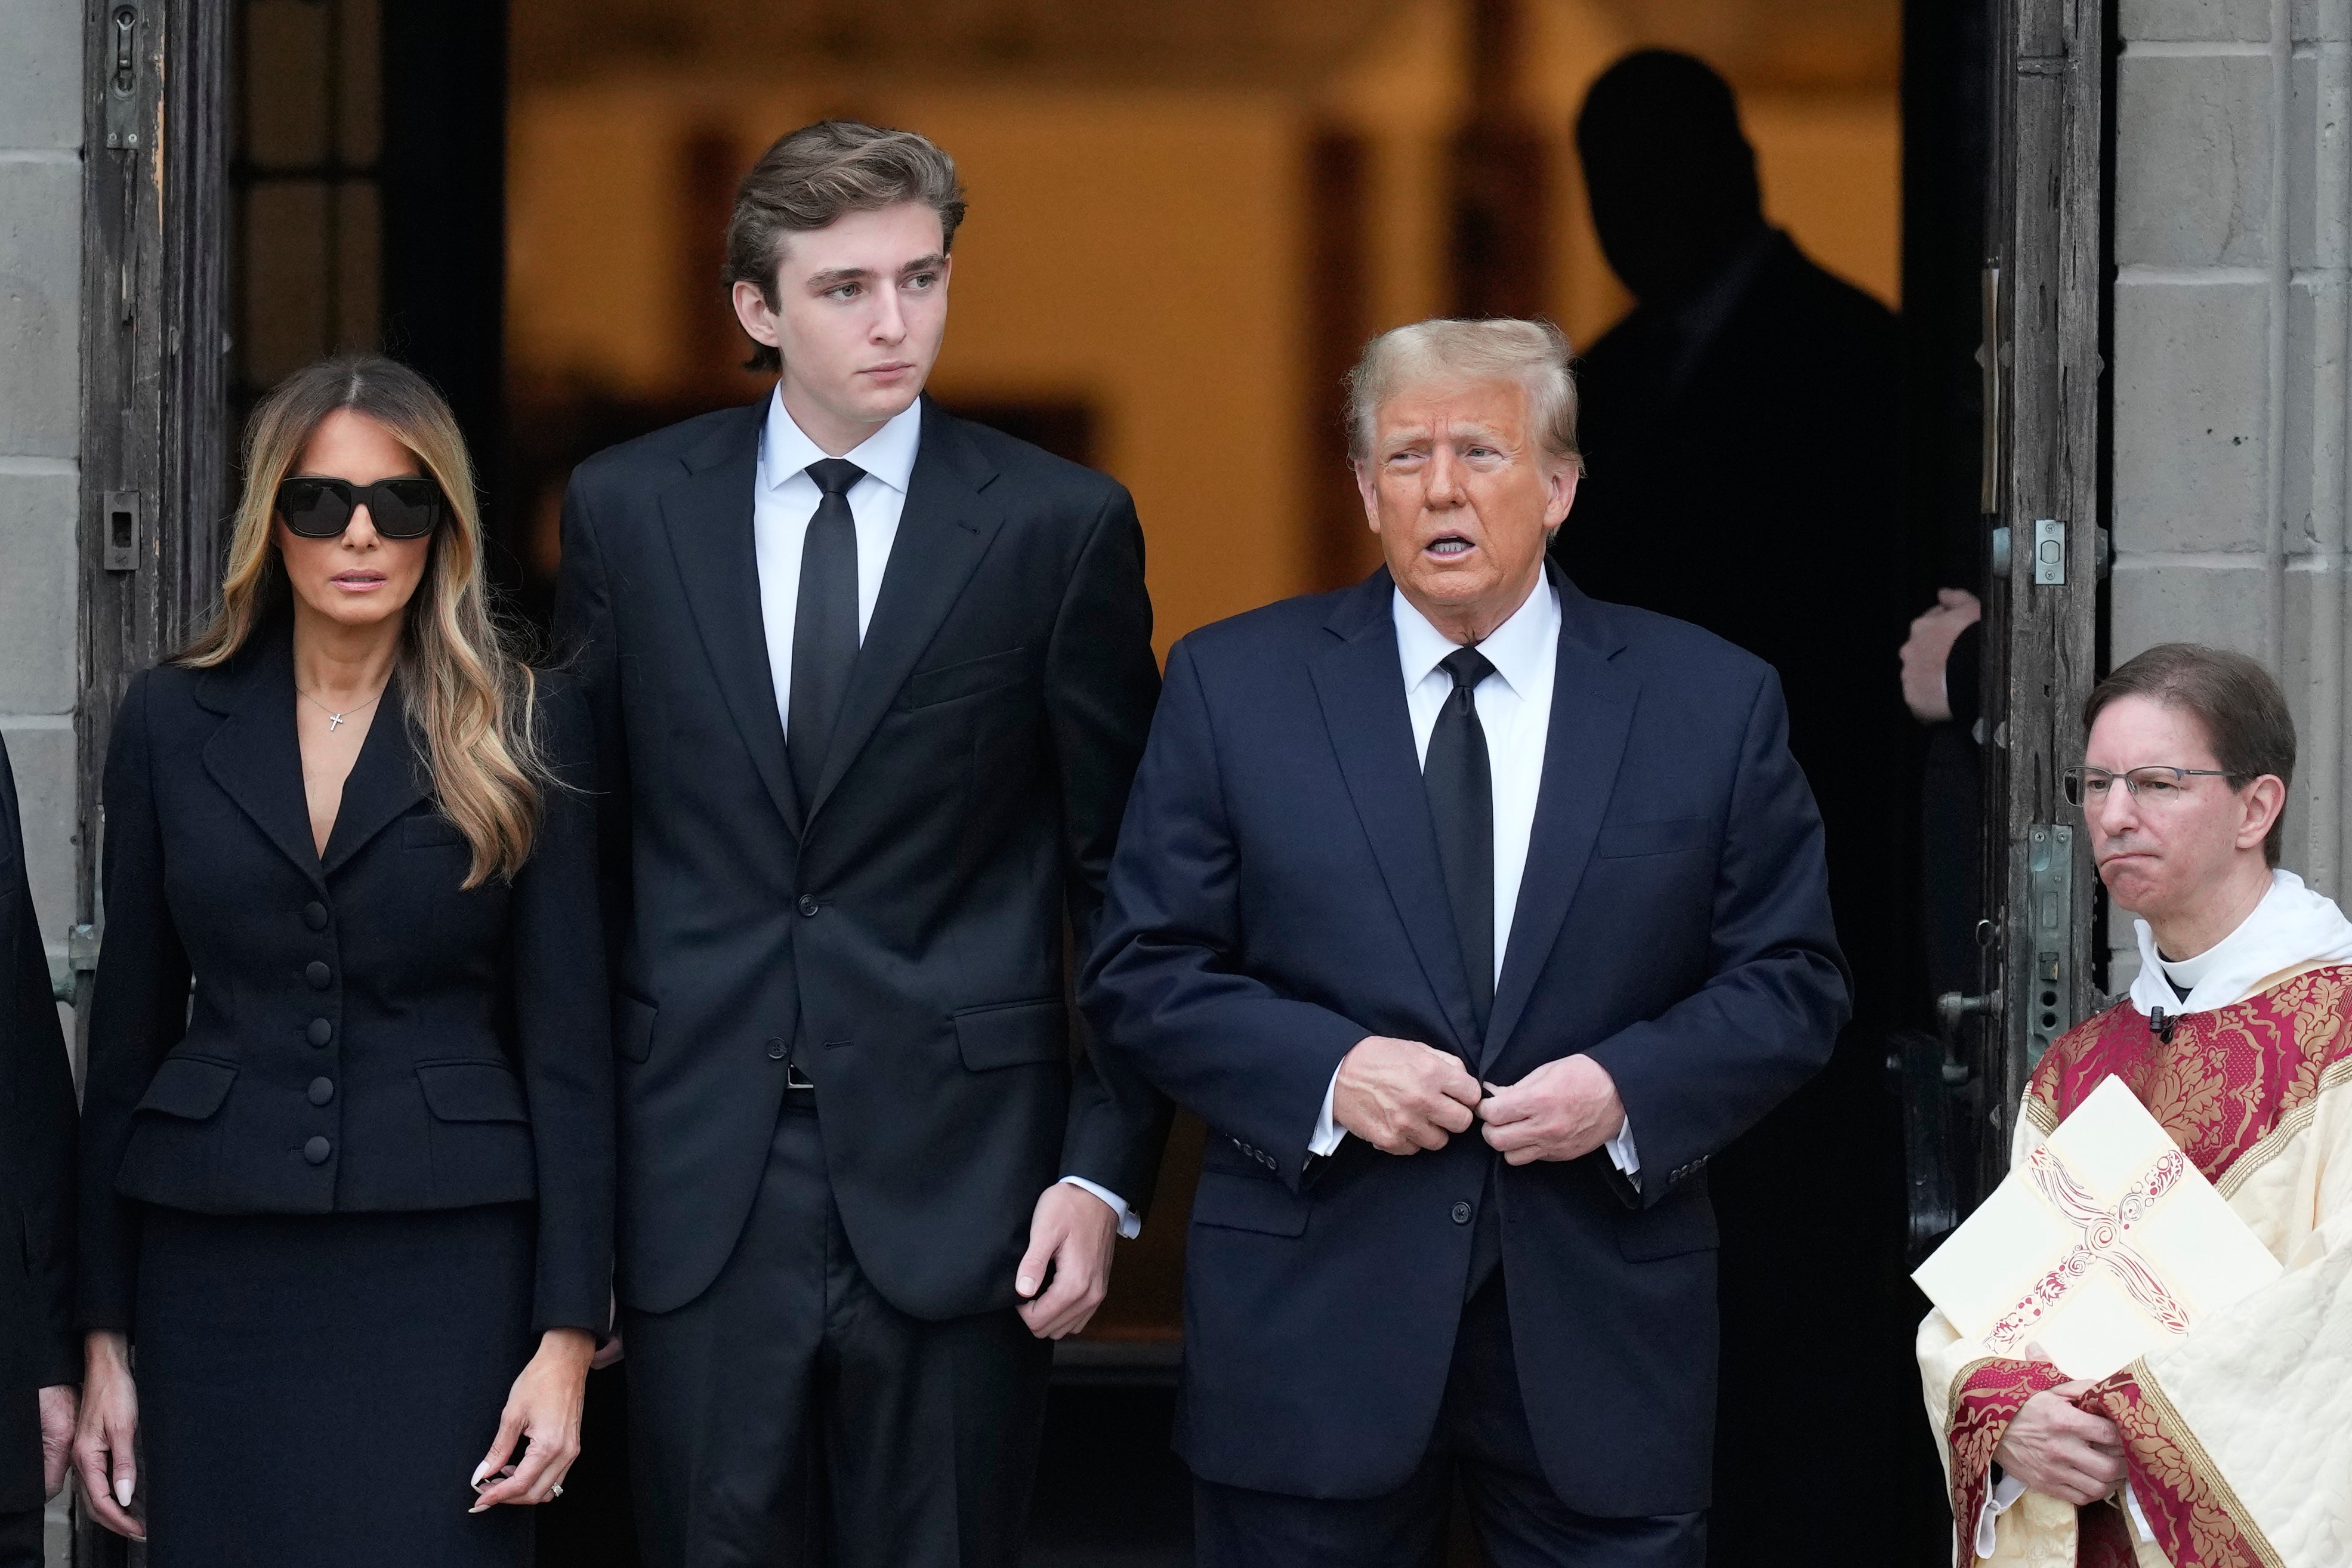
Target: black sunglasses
(400, 509)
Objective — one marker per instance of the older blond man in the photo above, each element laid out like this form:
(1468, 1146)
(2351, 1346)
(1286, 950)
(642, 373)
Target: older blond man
(1472, 916)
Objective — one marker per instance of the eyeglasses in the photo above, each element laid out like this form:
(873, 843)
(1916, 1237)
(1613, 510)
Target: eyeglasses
(2154, 785)
(400, 509)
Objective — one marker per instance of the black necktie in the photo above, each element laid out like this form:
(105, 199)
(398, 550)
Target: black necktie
(824, 625)
(1461, 788)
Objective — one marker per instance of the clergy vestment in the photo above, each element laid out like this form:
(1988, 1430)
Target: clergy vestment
(2234, 1432)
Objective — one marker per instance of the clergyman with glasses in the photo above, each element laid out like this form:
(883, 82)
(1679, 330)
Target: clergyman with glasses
(2237, 1036)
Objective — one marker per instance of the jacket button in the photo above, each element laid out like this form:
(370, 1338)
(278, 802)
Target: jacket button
(809, 906)
(314, 915)
(319, 1032)
(775, 1050)
(318, 975)
(322, 1089)
(1460, 1214)
(317, 1150)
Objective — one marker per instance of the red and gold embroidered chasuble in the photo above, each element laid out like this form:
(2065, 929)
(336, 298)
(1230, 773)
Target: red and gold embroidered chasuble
(2240, 1430)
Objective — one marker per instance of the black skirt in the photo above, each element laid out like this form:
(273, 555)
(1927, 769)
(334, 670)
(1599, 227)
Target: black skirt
(318, 1389)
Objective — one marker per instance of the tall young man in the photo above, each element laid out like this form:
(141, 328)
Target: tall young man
(870, 683)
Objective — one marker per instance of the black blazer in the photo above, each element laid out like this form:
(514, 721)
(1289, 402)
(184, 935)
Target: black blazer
(1277, 897)
(37, 1343)
(364, 1035)
(905, 929)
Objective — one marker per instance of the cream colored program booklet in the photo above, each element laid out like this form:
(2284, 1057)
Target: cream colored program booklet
(2105, 1244)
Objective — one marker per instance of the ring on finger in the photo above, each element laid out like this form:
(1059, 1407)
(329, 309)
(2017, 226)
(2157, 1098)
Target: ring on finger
(555, 1491)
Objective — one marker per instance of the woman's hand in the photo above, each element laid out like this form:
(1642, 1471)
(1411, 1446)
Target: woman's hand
(103, 1441)
(2063, 1452)
(543, 1410)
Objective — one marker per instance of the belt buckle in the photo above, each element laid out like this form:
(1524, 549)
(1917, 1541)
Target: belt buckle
(793, 1079)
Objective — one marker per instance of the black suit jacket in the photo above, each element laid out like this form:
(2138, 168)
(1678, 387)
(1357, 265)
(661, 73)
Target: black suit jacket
(1277, 897)
(1755, 494)
(905, 929)
(364, 1034)
(37, 1343)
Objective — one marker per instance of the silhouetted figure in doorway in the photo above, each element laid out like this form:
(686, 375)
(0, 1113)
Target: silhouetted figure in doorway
(1741, 436)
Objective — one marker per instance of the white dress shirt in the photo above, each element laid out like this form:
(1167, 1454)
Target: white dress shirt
(784, 502)
(1515, 710)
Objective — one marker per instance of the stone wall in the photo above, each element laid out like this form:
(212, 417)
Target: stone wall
(40, 396)
(2233, 234)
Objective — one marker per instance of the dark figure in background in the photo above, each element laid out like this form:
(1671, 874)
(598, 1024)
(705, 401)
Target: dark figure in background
(40, 1354)
(1741, 429)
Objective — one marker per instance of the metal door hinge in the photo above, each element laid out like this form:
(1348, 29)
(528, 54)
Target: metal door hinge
(81, 958)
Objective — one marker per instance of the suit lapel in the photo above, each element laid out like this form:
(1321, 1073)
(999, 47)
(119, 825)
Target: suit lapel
(1591, 714)
(708, 518)
(387, 777)
(254, 756)
(943, 530)
(1360, 686)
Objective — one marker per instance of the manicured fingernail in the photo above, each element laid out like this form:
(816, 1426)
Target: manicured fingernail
(122, 1490)
(478, 1507)
(479, 1471)
(1026, 1286)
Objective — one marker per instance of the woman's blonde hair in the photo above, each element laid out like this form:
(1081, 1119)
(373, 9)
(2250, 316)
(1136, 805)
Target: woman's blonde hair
(467, 693)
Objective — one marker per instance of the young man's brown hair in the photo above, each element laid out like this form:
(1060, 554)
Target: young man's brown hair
(812, 178)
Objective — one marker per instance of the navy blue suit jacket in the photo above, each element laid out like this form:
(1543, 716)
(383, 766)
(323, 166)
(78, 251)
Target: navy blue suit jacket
(1275, 898)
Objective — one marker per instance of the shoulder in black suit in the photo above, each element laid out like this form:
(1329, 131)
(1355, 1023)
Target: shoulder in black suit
(1277, 897)
(38, 1347)
(906, 925)
(364, 1036)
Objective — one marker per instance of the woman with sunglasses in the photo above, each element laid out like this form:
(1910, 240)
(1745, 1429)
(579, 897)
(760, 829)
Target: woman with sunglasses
(2223, 1445)
(349, 1204)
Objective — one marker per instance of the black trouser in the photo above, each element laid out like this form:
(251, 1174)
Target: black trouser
(1482, 1437)
(790, 1416)
(20, 1538)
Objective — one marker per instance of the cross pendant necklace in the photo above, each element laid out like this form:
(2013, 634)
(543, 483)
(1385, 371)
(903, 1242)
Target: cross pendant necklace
(335, 719)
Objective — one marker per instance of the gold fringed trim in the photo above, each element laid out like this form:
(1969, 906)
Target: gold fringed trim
(2177, 1428)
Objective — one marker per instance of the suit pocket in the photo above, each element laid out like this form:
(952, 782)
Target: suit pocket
(928, 688)
(472, 1091)
(1015, 1034)
(1249, 1203)
(1623, 840)
(190, 1088)
(632, 1026)
(1683, 1224)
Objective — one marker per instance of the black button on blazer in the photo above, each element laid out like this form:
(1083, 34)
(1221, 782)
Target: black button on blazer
(365, 1034)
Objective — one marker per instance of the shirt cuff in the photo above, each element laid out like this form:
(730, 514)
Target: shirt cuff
(2139, 1519)
(1621, 1153)
(2003, 1492)
(1130, 1224)
(1327, 1133)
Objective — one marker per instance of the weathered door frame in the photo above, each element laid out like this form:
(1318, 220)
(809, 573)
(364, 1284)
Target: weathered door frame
(2045, 302)
(153, 400)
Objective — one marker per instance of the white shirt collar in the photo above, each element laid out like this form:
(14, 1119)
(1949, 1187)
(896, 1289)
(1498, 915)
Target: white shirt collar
(887, 455)
(2292, 925)
(1518, 649)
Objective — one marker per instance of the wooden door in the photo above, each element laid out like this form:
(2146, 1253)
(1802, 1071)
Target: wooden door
(2044, 503)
